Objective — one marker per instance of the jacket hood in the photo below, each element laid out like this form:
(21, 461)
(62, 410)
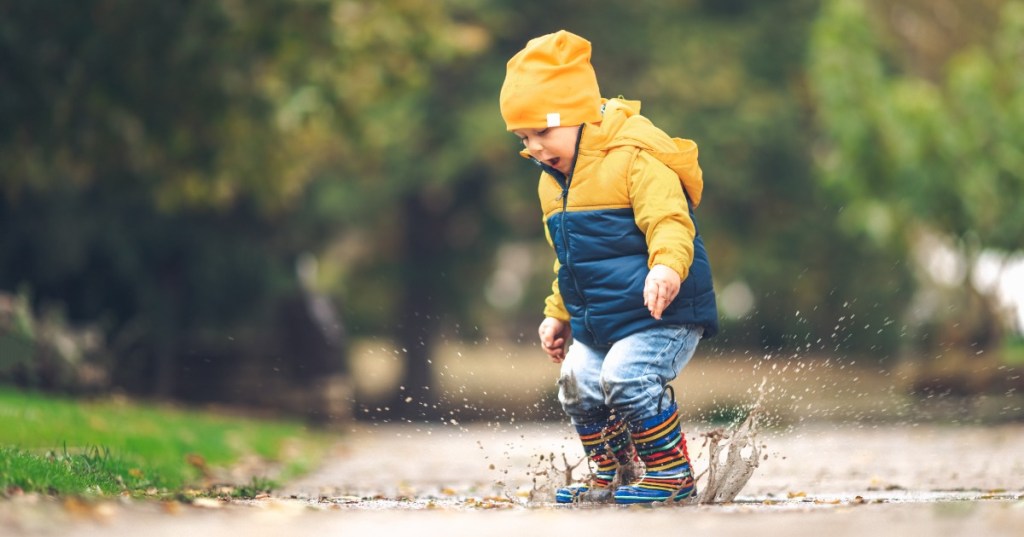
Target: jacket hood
(623, 126)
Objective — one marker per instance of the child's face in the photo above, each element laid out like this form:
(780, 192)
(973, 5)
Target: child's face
(554, 146)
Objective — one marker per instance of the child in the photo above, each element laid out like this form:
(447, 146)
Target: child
(633, 286)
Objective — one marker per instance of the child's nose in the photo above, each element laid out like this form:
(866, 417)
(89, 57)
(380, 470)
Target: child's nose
(533, 146)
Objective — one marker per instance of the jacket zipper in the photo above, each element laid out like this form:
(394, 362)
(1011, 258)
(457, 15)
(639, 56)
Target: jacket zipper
(565, 181)
(568, 264)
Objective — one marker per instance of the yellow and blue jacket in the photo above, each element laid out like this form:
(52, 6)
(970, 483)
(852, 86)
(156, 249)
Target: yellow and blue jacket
(626, 205)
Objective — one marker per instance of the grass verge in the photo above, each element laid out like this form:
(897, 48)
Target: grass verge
(64, 446)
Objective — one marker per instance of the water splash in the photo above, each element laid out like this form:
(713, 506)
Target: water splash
(733, 455)
(547, 476)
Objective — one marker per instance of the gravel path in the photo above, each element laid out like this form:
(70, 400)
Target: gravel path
(483, 480)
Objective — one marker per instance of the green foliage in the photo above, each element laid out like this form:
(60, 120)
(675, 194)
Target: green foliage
(165, 164)
(911, 155)
(64, 446)
(905, 149)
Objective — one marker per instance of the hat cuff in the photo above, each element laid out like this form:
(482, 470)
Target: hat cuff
(546, 120)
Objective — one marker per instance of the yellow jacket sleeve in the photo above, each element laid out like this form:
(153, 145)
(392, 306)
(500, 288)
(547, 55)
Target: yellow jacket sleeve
(661, 213)
(553, 305)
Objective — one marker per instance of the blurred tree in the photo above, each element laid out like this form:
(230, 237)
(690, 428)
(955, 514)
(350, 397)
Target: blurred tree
(158, 157)
(933, 149)
(419, 196)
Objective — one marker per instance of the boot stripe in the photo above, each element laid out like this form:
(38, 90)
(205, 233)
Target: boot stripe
(603, 479)
(659, 430)
(611, 431)
(655, 466)
(668, 487)
(656, 422)
(667, 478)
(664, 459)
(668, 445)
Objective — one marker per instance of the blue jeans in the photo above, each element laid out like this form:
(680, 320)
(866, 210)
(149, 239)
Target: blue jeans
(628, 378)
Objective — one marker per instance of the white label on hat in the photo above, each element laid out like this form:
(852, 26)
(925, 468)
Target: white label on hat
(554, 120)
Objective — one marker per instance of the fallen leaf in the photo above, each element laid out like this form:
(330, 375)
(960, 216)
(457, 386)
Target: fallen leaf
(197, 461)
(83, 509)
(171, 508)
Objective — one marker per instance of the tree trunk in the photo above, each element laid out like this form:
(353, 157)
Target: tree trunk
(168, 331)
(418, 309)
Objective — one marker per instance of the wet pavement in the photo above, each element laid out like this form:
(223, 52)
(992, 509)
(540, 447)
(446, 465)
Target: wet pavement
(496, 479)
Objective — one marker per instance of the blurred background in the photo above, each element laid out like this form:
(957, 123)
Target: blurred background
(313, 208)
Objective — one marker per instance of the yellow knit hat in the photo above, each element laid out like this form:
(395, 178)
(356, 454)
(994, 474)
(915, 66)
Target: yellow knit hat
(550, 83)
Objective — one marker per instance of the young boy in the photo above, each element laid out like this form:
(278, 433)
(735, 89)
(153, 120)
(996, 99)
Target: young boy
(633, 287)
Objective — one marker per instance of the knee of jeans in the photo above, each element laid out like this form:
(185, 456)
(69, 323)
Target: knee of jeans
(616, 388)
(636, 395)
(578, 403)
(608, 384)
(568, 389)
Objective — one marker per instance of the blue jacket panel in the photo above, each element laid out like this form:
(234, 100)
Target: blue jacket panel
(603, 258)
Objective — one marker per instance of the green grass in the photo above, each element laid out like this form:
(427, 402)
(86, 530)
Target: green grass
(68, 447)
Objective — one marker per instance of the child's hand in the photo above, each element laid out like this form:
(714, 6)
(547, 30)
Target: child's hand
(660, 288)
(554, 336)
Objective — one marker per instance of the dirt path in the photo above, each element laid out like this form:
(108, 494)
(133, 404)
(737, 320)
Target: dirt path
(474, 480)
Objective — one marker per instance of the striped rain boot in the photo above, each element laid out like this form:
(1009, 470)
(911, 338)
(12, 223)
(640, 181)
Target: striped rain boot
(607, 445)
(662, 447)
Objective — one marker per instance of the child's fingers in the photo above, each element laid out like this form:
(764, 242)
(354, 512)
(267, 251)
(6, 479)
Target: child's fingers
(553, 336)
(660, 289)
(553, 347)
(650, 294)
(658, 307)
(652, 298)
(658, 295)
(559, 351)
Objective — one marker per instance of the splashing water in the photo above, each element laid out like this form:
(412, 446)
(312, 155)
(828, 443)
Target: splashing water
(733, 456)
(548, 476)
